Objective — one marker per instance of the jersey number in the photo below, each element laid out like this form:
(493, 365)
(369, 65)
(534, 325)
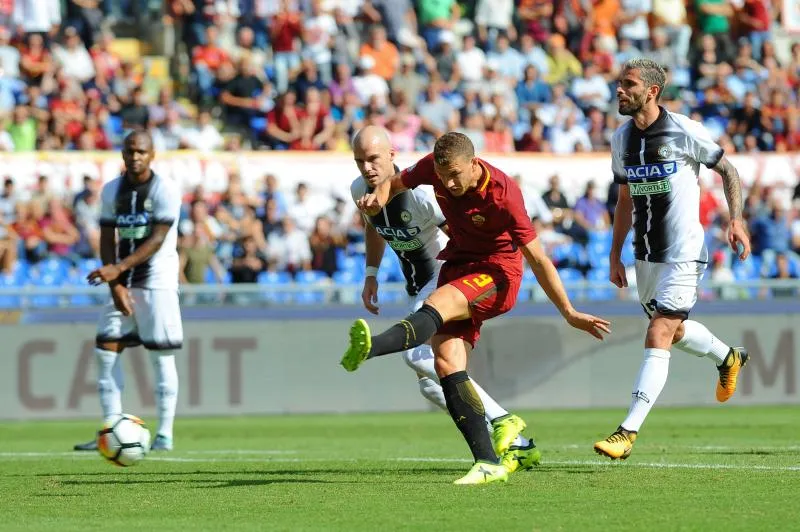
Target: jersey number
(479, 281)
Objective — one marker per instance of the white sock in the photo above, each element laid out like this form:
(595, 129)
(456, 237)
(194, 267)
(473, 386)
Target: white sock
(421, 360)
(490, 406)
(109, 381)
(166, 389)
(652, 377)
(431, 391)
(699, 341)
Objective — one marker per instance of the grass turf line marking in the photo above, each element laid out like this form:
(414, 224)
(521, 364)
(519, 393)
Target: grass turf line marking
(599, 464)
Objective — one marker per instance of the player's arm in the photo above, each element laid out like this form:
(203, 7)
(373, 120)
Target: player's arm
(623, 219)
(523, 233)
(110, 272)
(732, 185)
(548, 278)
(376, 246)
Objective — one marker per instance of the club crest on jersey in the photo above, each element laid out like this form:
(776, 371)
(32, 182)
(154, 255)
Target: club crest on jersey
(478, 220)
(665, 152)
(405, 216)
(148, 205)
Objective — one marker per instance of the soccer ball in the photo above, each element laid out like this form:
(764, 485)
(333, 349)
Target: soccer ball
(123, 440)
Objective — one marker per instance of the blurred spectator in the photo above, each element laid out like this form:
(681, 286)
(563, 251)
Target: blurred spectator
(285, 29)
(590, 212)
(289, 248)
(249, 263)
(324, 245)
(196, 256)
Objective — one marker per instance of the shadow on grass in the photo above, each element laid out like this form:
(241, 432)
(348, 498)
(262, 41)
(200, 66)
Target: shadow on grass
(294, 472)
(203, 483)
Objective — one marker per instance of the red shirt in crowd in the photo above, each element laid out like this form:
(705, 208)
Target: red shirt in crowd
(286, 27)
(211, 56)
(488, 223)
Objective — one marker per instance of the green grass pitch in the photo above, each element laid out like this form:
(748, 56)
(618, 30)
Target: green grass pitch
(724, 468)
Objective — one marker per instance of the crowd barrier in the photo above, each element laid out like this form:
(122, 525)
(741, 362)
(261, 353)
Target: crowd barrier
(330, 173)
(248, 361)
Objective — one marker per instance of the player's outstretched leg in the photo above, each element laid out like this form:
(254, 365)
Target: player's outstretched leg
(166, 391)
(411, 332)
(652, 377)
(110, 383)
(694, 338)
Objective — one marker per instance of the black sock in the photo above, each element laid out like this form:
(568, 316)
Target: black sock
(466, 409)
(410, 332)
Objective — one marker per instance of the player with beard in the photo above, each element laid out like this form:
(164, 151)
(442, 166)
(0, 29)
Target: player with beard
(656, 157)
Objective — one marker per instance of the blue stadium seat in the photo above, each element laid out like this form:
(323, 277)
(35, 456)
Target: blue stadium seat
(86, 266)
(600, 294)
(79, 300)
(9, 281)
(311, 278)
(600, 237)
(55, 266)
(48, 280)
(351, 263)
(258, 124)
(571, 275)
(598, 256)
(210, 278)
(276, 279)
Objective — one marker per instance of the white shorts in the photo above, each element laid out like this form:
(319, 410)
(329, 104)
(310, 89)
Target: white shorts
(155, 322)
(668, 288)
(415, 302)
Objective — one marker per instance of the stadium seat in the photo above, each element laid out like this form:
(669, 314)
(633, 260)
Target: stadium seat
(598, 256)
(47, 280)
(600, 237)
(572, 276)
(9, 301)
(276, 279)
(76, 279)
(343, 278)
(210, 278)
(55, 266)
(598, 293)
(311, 278)
(86, 266)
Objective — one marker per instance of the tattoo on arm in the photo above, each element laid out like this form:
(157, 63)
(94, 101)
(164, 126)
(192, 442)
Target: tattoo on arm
(732, 186)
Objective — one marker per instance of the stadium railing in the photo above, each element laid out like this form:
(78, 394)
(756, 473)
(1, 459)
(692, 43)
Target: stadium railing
(327, 293)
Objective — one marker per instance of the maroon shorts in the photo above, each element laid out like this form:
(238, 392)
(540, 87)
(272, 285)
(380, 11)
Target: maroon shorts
(490, 288)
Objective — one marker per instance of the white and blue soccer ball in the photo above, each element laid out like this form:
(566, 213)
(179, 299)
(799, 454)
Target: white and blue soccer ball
(124, 440)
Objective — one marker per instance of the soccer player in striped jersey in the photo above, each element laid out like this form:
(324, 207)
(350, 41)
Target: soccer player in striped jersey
(656, 157)
(412, 225)
(138, 246)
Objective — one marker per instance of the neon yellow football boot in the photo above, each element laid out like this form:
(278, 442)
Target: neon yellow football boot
(618, 445)
(505, 430)
(360, 344)
(519, 458)
(484, 473)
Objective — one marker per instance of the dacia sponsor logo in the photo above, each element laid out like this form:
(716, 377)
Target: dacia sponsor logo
(652, 187)
(132, 219)
(645, 172)
(397, 233)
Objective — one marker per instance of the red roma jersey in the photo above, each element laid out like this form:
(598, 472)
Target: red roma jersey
(488, 223)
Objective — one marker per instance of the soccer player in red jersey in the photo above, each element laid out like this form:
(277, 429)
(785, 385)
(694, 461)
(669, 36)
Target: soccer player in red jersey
(490, 232)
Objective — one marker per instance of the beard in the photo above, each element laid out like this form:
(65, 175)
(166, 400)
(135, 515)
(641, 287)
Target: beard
(631, 106)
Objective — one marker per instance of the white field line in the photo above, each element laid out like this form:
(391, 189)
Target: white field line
(270, 459)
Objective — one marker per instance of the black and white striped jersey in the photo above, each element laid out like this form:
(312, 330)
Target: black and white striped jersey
(410, 223)
(133, 209)
(661, 165)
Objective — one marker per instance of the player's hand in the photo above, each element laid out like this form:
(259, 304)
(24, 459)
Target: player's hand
(369, 204)
(738, 239)
(616, 274)
(105, 274)
(591, 324)
(122, 299)
(370, 295)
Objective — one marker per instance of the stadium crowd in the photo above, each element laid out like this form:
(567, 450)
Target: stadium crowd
(514, 75)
